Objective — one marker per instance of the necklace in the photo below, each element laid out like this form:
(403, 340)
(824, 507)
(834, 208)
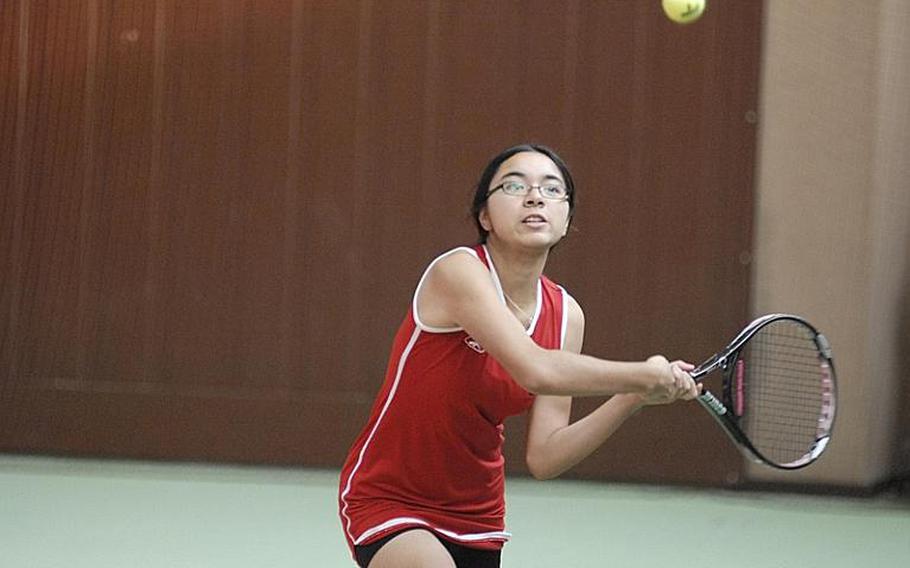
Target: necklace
(525, 318)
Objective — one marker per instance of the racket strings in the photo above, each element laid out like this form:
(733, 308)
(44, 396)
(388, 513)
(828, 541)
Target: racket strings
(783, 391)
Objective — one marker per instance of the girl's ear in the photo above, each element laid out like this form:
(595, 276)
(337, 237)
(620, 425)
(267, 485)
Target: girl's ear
(484, 218)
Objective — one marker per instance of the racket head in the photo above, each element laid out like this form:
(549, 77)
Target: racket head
(778, 400)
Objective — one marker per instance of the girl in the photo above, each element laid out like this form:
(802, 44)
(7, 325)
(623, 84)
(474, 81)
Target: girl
(487, 336)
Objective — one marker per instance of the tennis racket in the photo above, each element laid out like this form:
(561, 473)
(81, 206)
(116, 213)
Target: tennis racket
(778, 398)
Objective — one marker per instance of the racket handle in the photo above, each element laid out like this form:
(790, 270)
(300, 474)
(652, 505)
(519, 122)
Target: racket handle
(712, 403)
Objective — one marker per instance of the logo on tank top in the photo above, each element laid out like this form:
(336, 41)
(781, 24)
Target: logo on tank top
(472, 343)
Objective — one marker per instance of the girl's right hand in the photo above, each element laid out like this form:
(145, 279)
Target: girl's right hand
(671, 381)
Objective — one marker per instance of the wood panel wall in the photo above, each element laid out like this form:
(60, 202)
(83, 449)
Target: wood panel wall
(214, 212)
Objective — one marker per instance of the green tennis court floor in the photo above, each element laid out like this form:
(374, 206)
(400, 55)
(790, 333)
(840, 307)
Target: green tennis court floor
(99, 514)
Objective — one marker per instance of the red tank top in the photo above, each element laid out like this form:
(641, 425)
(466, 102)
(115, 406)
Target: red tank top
(431, 453)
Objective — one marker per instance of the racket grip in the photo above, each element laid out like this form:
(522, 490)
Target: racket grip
(712, 403)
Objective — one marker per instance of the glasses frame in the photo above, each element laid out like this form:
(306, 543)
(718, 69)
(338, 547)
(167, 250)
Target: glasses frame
(531, 186)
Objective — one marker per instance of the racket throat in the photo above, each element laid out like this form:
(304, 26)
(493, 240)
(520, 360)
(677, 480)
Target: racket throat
(718, 360)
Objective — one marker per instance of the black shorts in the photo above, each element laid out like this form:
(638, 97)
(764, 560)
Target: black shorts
(464, 557)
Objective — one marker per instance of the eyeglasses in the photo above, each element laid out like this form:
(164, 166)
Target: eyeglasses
(553, 191)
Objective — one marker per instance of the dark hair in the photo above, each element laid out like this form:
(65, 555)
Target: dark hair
(481, 192)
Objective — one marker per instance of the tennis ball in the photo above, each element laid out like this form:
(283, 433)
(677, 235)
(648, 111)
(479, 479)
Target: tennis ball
(683, 11)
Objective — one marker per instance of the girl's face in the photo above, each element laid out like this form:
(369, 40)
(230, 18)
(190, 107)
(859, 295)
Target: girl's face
(532, 220)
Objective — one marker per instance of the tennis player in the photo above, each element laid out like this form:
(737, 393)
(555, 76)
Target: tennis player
(487, 336)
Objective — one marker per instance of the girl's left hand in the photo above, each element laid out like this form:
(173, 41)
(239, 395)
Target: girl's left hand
(687, 388)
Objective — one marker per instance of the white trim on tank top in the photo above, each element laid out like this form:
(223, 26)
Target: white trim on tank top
(502, 295)
(565, 316)
(495, 277)
(366, 444)
(471, 537)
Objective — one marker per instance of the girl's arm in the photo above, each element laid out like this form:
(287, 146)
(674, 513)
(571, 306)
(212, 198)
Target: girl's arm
(458, 292)
(553, 445)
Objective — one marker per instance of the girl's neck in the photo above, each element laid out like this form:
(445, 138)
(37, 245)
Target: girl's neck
(518, 270)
